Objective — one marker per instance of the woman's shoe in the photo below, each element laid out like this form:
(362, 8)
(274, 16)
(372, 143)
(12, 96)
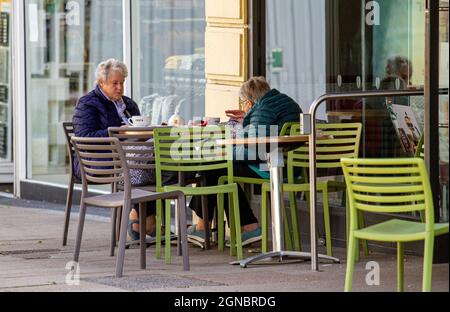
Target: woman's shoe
(196, 235)
(249, 237)
(133, 236)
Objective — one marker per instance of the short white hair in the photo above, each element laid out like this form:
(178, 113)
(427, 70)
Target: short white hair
(106, 68)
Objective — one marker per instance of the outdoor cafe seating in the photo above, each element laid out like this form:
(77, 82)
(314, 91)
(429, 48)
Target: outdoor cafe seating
(343, 141)
(193, 150)
(391, 186)
(102, 161)
(194, 153)
(138, 146)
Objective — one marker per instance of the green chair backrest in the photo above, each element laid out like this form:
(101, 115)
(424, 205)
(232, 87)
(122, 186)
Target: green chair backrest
(192, 149)
(343, 142)
(389, 186)
(420, 151)
(287, 126)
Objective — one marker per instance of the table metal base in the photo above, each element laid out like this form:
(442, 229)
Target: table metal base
(281, 254)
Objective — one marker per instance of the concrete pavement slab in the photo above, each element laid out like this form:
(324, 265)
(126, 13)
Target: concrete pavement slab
(32, 259)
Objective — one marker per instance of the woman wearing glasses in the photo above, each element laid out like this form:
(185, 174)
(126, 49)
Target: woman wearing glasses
(262, 108)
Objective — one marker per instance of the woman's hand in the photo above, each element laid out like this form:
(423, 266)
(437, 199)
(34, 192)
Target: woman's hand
(236, 114)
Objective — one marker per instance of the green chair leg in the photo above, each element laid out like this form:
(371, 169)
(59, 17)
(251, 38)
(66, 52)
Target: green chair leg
(294, 220)
(428, 263)
(347, 227)
(362, 225)
(232, 227)
(220, 221)
(326, 216)
(351, 254)
(286, 230)
(237, 222)
(400, 267)
(158, 228)
(167, 218)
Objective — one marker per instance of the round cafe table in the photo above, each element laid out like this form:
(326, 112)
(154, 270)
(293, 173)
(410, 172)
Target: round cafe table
(276, 147)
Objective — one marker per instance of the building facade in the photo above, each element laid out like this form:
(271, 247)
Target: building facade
(191, 56)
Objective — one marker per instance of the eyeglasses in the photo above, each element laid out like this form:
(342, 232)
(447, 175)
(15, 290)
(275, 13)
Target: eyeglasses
(242, 103)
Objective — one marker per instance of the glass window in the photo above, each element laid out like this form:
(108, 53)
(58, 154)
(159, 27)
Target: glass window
(317, 46)
(295, 48)
(169, 58)
(443, 110)
(5, 82)
(65, 40)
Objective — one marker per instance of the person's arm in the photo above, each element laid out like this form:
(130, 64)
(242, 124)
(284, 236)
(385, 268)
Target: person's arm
(87, 123)
(237, 115)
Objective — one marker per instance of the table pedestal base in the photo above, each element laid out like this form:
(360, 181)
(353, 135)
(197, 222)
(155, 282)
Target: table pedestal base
(281, 254)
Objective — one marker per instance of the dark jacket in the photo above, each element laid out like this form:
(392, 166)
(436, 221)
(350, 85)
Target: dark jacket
(274, 108)
(94, 113)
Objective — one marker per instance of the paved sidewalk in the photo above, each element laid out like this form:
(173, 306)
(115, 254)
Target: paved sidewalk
(32, 259)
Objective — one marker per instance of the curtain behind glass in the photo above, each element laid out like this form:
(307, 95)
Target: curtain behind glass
(168, 58)
(295, 39)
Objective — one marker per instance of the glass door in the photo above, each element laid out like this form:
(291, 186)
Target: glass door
(65, 41)
(340, 46)
(443, 110)
(6, 166)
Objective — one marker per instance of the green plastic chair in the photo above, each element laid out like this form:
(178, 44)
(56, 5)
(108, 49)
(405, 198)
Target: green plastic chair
(344, 142)
(420, 151)
(195, 149)
(265, 177)
(391, 186)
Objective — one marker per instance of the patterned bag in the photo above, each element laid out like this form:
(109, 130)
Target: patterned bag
(142, 177)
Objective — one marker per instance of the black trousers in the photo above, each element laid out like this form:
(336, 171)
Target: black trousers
(240, 169)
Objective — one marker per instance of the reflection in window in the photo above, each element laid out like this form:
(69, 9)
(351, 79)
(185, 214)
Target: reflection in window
(340, 46)
(376, 45)
(169, 58)
(65, 40)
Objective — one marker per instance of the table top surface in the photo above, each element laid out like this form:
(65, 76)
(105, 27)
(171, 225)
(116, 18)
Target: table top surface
(266, 140)
(145, 133)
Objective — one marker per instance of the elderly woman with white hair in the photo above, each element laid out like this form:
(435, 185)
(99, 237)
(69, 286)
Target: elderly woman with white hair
(106, 106)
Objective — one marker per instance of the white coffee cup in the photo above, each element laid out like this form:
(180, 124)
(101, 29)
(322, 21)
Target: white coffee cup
(212, 120)
(140, 121)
